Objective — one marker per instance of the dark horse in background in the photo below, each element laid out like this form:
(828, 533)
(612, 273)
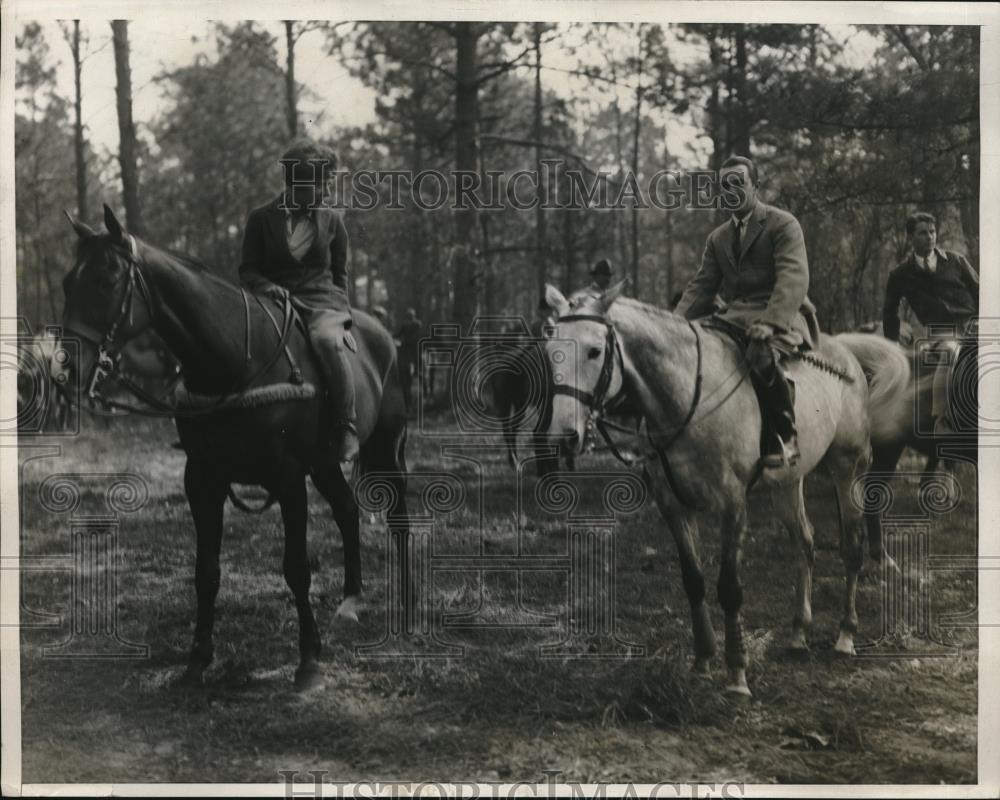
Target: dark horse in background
(910, 424)
(522, 395)
(231, 347)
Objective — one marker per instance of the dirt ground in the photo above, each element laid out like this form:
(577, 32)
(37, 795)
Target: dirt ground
(904, 711)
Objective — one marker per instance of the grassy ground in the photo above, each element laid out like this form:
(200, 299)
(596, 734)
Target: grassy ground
(501, 711)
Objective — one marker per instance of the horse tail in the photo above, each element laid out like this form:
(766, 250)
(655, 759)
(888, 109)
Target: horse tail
(887, 370)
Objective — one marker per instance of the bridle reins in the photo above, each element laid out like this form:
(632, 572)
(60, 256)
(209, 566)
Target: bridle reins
(598, 400)
(109, 356)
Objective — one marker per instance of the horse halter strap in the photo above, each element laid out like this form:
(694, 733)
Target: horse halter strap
(106, 355)
(597, 400)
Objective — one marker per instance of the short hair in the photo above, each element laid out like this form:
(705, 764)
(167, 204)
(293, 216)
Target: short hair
(736, 161)
(915, 219)
(602, 267)
(303, 151)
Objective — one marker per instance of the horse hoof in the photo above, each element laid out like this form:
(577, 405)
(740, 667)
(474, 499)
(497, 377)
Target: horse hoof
(308, 678)
(845, 645)
(193, 678)
(349, 608)
(739, 692)
(701, 668)
(797, 645)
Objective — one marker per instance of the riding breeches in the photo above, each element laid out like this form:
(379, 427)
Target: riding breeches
(326, 332)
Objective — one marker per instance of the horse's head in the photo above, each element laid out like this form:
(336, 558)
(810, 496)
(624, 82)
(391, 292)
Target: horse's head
(101, 310)
(585, 361)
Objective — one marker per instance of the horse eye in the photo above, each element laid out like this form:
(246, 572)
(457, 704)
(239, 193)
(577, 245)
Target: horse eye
(594, 352)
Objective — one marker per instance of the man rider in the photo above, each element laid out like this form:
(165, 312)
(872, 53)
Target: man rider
(942, 288)
(757, 262)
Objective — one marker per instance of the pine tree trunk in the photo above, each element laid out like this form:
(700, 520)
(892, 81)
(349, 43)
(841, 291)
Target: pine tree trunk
(464, 264)
(291, 98)
(637, 129)
(541, 255)
(741, 110)
(126, 128)
(78, 149)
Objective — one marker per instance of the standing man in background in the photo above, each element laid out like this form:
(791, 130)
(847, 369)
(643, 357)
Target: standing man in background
(408, 337)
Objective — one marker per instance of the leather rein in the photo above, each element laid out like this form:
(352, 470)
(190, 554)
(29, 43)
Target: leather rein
(598, 400)
(110, 349)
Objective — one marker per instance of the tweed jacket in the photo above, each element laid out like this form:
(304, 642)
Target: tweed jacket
(319, 279)
(767, 283)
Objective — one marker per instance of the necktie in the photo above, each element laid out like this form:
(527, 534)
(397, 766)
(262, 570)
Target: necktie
(737, 228)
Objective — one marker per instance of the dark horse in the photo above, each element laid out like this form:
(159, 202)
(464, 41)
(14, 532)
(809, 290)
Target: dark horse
(230, 347)
(910, 424)
(522, 393)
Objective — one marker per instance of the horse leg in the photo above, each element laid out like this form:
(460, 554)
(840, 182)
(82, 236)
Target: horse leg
(684, 529)
(845, 469)
(730, 591)
(206, 494)
(877, 488)
(789, 505)
(294, 515)
(331, 483)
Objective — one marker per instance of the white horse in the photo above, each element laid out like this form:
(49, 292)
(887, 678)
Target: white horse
(703, 423)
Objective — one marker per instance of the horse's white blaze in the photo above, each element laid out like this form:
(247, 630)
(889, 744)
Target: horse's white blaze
(575, 364)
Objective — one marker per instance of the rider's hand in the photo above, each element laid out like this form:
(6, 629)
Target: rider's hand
(760, 331)
(275, 292)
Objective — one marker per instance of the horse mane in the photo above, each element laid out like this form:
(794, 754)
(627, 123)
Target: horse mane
(188, 263)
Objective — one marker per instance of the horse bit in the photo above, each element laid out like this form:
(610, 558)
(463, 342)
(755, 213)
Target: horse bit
(597, 401)
(108, 357)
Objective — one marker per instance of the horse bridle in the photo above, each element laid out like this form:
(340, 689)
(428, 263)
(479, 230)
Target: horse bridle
(107, 355)
(597, 401)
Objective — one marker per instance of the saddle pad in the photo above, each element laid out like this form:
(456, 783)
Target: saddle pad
(251, 398)
(784, 347)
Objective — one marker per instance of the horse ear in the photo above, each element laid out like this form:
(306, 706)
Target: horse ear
(82, 230)
(553, 299)
(113, 225)
(610, 295)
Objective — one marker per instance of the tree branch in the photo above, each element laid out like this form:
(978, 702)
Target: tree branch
(904, 39)
(502, 67)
